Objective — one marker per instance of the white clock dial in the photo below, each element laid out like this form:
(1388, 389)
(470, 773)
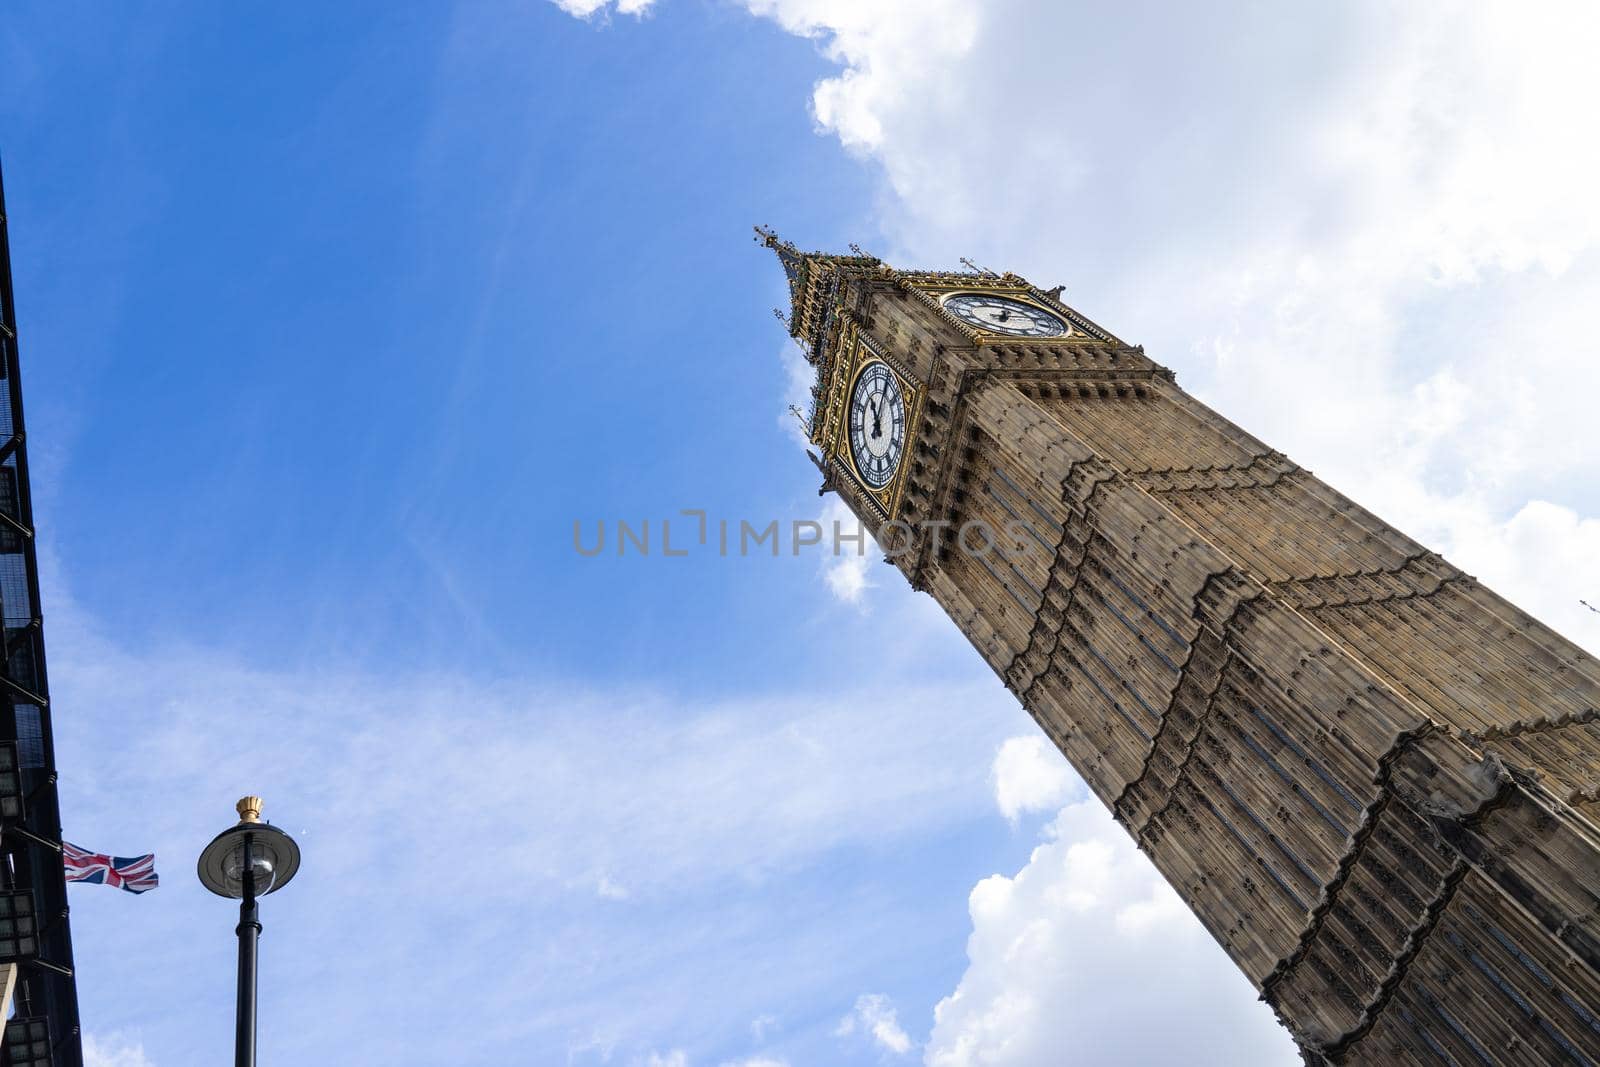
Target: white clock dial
(877, 424)
(1002, 314)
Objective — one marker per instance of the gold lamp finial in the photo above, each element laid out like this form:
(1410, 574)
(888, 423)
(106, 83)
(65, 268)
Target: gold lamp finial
(249, 809)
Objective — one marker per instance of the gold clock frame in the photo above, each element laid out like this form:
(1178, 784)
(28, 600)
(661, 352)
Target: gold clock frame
(886, 501)
(1016, 296)
(935, 288)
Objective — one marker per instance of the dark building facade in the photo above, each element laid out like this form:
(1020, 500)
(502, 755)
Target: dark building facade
(1374, 781)
(35, 942)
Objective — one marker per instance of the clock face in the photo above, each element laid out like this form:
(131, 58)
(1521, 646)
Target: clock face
(877, 424)
(1001, 314)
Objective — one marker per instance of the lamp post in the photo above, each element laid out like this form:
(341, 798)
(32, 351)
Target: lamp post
(243, 862)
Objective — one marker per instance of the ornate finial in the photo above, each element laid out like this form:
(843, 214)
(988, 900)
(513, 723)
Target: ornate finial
(1055, 293)
(800, 417)
(788, 255)
(249, 809)
(981, 270)
(781, 317)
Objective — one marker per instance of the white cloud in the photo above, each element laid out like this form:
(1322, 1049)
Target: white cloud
(1346, 210)
(885, 50)
(679, 1058)
(876, 1017)
(726, 791)
(846, 562)
(497, 818)
(589, 8)
(1030, 774)
(1087, 956)
(113, 1050)
(1385, 215)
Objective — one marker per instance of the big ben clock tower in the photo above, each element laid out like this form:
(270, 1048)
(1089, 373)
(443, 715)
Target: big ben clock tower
(1374, 781)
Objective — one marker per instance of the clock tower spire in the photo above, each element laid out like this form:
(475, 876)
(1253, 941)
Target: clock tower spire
(1374, 781)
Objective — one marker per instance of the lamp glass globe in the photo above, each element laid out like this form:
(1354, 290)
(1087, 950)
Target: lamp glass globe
(261, 862)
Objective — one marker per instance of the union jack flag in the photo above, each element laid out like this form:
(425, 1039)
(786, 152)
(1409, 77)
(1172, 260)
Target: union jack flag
(136, 874)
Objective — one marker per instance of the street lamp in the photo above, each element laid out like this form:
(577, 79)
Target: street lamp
(244, 861)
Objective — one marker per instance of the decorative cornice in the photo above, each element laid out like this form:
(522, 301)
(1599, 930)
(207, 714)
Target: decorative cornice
(1533, 726)
(1420, 575)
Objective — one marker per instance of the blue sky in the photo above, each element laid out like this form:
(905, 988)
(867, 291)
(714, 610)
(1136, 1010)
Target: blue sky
(333, 322)
(422, 292)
